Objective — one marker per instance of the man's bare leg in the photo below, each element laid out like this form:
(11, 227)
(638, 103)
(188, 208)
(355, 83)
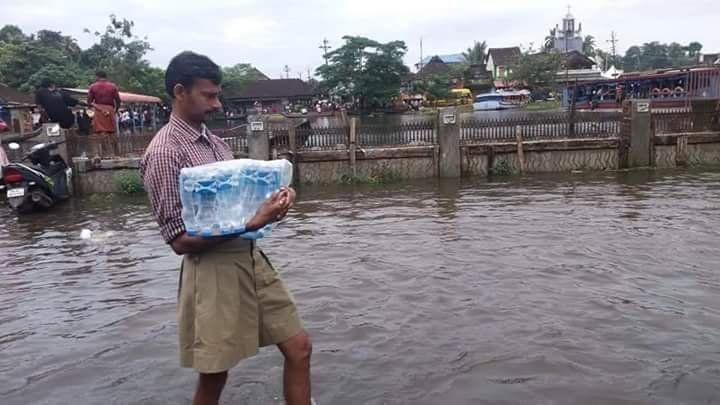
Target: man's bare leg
(296, 377)
(209, 388)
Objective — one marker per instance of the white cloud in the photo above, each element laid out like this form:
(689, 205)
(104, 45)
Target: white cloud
(251, 31)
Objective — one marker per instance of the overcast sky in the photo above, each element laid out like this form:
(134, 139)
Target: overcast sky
(271, 33)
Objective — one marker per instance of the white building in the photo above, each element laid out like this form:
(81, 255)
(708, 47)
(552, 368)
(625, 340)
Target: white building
(568, 38)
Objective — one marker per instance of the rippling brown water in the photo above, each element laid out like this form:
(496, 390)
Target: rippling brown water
(559, 289)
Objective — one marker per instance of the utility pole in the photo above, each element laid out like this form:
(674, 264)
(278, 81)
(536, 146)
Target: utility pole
(309, 77)
(287, 71)
(567, 37)
(420, 65)
(613, 45)
(325, 46)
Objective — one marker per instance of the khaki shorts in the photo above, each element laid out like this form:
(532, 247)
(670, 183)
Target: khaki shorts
(231, 301)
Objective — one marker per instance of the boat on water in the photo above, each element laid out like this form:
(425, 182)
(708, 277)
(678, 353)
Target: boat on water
(504, 100)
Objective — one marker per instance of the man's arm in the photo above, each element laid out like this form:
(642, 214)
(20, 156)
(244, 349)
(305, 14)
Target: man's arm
(161, 171)
(91, 95)
(273, 209)
(186, 244)
(69, 100)
(116, 99)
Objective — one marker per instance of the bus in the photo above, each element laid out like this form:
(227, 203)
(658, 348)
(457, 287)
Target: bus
(456, 97)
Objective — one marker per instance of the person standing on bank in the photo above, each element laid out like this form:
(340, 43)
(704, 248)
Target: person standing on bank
(231, 301)
(104, 97)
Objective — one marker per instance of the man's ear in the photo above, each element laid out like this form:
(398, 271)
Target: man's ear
(179, 91)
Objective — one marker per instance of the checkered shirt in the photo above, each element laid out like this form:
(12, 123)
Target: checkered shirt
(175, 146)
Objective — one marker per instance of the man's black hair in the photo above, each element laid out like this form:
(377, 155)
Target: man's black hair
(101, 74)
(187, 66)
(46, 83)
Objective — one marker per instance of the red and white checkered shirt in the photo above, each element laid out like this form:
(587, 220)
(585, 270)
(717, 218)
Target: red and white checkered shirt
(175, 146)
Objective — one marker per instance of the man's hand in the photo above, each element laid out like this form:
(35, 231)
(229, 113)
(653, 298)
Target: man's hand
(289, 195)
(273, 209)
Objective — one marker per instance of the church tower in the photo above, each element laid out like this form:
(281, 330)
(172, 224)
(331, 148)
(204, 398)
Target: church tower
(569, 38)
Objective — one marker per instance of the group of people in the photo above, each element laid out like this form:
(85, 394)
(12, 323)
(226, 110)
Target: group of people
(104, 100)
(130, 119)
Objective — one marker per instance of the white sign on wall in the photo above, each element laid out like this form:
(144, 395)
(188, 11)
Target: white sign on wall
(257, 125)
(449, 119)
(52, 130)
(643, 107)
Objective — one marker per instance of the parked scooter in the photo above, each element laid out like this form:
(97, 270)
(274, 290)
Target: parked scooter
(39, 185)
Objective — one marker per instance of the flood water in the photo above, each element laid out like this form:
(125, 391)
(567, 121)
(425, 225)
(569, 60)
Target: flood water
(577, 289)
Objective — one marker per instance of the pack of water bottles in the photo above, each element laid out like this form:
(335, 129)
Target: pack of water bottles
(220, 198)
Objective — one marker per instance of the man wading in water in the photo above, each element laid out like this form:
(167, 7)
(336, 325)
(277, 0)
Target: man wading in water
(231, 300)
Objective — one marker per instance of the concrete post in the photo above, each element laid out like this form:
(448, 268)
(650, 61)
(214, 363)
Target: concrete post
(449, 140)
(353, 146)
(257, 138)
(641, 134)
(292, 144)
(520, 150)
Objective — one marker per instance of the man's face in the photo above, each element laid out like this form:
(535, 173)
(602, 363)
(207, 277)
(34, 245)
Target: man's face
(199, 101)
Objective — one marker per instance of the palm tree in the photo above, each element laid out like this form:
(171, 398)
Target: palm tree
(475, 55)
(589, 45)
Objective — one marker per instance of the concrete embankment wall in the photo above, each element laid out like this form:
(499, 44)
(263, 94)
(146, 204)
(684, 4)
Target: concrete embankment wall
(597, 144)
(422, 161)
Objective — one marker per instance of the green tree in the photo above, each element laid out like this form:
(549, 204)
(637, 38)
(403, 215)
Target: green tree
(475, 55)
(12, 34)
(365, 71)
(589, 46)
(121, 54)
(538, 72)
(237, 77)
(656, 55)
(56, 40)
(694, 49)
(632, 61)
(434, 87)
(27, 59)
(148, 80)
(24, 64)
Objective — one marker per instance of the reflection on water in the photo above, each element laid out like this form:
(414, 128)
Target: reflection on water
(548, 289)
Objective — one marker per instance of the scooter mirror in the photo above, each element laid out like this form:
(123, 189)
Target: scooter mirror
(14, 146)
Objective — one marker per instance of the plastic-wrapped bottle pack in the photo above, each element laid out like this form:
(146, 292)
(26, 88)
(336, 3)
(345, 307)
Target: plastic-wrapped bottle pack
(220, 198)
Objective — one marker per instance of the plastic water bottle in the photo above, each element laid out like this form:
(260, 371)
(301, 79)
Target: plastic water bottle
(221, 197)
(206, 207)
(224, 185)
(187, 198)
